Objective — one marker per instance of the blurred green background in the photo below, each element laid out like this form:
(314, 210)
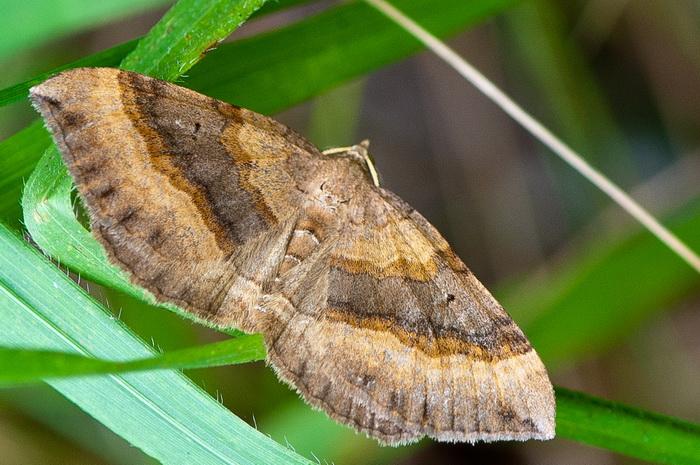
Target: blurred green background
(612, 312)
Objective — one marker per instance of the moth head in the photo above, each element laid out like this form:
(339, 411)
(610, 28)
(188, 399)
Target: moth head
(359, 153)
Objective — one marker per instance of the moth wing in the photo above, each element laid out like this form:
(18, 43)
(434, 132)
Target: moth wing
(190, 195)
(364, 307)
(408, 343)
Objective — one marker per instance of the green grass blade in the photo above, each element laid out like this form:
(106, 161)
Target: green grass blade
(29, 23)
(637, 433)
(19, 155)
(161, 412)
(31, 366)
(190, 28)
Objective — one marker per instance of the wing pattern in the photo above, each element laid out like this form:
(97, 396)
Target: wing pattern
(364, 307)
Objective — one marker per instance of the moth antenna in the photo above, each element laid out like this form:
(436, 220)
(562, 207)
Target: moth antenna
(362, 151)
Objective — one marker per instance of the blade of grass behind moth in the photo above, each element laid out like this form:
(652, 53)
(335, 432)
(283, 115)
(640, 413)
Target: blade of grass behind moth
(50, 218)
(18, 157)
(109, 58)
(185, 33)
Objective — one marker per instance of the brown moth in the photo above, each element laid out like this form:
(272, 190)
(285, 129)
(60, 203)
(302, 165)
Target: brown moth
(364, 307)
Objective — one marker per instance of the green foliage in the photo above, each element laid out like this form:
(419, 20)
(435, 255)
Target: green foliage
(60, 331)
(627, 430)
(162, 412)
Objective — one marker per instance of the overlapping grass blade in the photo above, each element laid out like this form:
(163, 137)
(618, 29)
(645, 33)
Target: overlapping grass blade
(162, 412)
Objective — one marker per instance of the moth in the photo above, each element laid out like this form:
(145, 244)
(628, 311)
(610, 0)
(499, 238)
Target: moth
(364, 308)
